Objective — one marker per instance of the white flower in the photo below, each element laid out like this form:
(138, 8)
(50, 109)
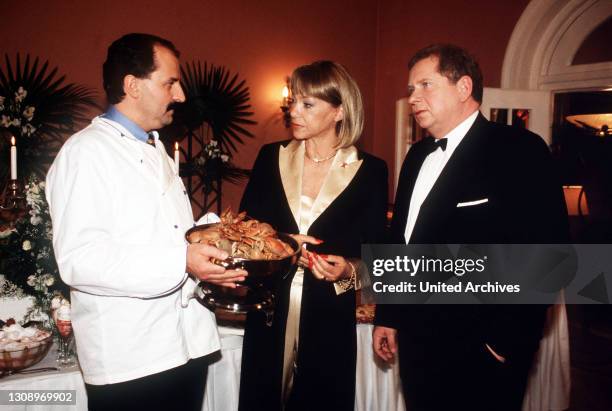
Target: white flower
(35, 220)
(26, 246)
(28, 130)
(6, 121)
(28, 113)
(20, 94)
(213, 143)
(56, 302)
(31, 280)
(16, 122)
(49, 280)
(224, 158)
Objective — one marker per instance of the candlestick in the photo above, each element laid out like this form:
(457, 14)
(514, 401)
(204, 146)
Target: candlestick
(13, 159)
(176, 157)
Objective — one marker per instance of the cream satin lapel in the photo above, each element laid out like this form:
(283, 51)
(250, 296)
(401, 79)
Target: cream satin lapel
(341, 173)
(291, 164)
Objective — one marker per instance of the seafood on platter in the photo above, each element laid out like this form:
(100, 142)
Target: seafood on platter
(243, 237)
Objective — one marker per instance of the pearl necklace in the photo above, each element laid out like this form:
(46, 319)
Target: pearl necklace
(321, 160)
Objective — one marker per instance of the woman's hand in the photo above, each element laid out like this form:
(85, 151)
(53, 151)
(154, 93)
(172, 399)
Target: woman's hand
(329, 267)
(303, 240)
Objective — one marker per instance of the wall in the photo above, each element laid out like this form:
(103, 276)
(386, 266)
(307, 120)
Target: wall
(481, 26)
(265, 40)
(262, 40)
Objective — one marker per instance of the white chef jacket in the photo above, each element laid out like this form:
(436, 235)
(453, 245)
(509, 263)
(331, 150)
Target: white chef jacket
(119, 214)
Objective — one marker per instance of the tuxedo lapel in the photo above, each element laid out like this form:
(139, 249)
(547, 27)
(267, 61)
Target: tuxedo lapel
(408, 175)
(341, 173)
(291, 165)
(454, 178)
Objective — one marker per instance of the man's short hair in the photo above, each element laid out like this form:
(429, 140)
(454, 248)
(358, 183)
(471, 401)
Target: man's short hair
(453, 63)
(131, 54)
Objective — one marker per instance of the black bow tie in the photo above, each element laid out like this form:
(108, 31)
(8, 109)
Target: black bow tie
(441, 142)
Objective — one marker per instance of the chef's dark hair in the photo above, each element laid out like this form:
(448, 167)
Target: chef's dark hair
(131, 54)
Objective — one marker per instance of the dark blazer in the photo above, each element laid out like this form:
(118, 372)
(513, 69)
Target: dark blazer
(326, 361)
(513, 169)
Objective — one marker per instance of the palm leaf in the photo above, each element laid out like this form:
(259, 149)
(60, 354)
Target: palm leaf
(60, 109)
(217, 100)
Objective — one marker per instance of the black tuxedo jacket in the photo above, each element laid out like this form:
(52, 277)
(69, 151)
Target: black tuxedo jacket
(512, 169)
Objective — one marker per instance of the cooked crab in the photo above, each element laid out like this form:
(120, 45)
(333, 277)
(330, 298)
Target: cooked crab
(244, 238)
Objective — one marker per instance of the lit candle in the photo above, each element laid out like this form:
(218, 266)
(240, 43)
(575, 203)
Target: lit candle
(176, 156)
(13, 159)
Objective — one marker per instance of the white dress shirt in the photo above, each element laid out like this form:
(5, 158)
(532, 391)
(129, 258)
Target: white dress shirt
(119, 213)
(432, 168)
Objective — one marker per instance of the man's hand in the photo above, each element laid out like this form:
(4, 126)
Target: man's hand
(199, 265)
(384, 340)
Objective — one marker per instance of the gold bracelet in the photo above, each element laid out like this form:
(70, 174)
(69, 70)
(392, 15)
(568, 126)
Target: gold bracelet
(348, 283)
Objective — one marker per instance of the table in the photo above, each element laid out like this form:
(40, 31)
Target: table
(377, 386)
(65, 379)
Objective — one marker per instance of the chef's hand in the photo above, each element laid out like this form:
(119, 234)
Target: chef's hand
(199, 265)
(384, 341)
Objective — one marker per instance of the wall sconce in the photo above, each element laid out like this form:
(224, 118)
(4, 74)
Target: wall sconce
(286, 103)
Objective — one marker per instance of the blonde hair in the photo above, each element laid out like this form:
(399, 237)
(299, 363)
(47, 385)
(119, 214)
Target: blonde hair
(331, 82)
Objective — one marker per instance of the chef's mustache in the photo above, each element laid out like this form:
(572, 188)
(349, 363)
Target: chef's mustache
(173, 106)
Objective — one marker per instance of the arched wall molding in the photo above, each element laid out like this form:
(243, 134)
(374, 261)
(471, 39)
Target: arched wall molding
(544, 42)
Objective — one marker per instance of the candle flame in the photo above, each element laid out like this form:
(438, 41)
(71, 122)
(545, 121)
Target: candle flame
(176, 146)
(13, 140)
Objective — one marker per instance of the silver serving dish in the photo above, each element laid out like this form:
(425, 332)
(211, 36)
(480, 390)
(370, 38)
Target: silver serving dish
(256, 291)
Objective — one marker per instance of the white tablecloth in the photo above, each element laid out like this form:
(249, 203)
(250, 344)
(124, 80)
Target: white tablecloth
(549, 383)
(66, 379)
(223, 382)
(378, 386)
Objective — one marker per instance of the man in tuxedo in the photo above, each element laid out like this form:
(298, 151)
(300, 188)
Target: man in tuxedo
(470, 181)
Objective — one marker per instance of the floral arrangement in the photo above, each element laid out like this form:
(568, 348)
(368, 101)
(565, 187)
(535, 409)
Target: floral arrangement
(28, 265)
(40, 110)
(15, 114)
(214, 164)
(211, 151)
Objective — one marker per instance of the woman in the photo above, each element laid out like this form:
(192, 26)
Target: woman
(320, 186)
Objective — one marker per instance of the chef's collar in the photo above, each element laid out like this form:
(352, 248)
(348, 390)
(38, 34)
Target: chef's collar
(115, 115)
